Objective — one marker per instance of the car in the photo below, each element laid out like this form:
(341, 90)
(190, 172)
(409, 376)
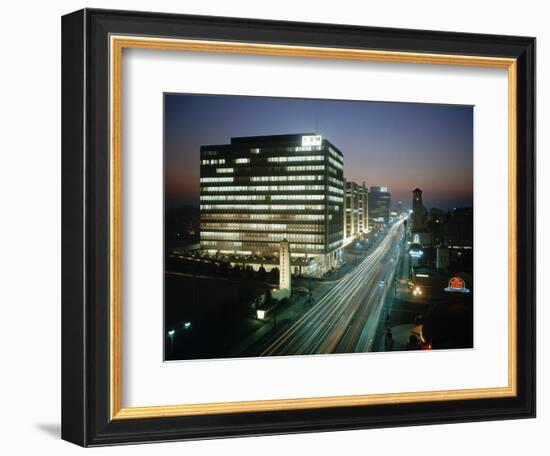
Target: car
(382, 283)
(417, 291)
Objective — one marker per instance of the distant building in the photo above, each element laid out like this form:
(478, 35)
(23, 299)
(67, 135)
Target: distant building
(435, 215)
(399, 207)
(458, 229)
(181, 228)
(420, 234)
(356, 210)
(379, 201)
(418, 211)
(442, 258)
(258, 191)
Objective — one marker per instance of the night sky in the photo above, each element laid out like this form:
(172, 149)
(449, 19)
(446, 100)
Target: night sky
(398, 145)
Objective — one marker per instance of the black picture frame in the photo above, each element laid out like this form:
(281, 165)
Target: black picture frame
(85, 224)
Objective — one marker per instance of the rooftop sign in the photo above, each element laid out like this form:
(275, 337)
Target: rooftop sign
(314, 140)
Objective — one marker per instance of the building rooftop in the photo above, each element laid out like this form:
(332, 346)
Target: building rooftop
(275, 140)
(271, 138)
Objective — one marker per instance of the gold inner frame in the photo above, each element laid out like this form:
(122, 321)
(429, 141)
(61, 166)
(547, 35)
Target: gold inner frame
(117, 44)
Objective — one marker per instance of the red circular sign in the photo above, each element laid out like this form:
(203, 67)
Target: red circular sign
(456, 283)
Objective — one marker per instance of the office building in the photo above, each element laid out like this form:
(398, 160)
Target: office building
(379, 201)
(356, 210)
(259, 191)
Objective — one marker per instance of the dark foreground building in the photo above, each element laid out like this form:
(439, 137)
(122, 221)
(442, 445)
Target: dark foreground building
(259, 191)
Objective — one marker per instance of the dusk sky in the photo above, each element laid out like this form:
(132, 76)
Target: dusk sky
(398, 145)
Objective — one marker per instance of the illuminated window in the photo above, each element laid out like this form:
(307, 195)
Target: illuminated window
(263, 188)
(335, 154)
(216, 179)
(233, 197)
(338, 190)
(306, 168)
(338, 182)
(214, 161)
(306, 148)
(286, 178)
(265, 236)
(256, 216)
(234, 226)
(335, 163)
(298, 197)
(296, 158)
(264, 207)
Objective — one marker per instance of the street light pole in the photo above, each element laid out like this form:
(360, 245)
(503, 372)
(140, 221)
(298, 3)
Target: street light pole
(171, 335)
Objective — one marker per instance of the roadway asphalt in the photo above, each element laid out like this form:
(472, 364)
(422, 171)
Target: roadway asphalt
(346, 318)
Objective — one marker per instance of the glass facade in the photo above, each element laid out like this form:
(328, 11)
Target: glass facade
(270, 189)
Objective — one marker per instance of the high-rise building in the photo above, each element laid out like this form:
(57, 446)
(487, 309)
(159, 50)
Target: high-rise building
(363, 200)
(356, 210)
(379, 202)
(418, 211)
(258, 191)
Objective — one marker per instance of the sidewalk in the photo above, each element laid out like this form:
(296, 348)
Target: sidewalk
(284, 318)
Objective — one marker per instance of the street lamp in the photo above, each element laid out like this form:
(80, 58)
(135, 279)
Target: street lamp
(171, 335)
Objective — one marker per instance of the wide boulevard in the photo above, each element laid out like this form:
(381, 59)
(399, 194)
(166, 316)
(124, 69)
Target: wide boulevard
(347, 317)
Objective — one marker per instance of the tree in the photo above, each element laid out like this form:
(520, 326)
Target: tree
(248, 271)
(236, 271)
(262, 274)
(274, 274)
(223, 269)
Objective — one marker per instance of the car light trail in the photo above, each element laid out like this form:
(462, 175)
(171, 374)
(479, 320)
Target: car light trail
(345, 319)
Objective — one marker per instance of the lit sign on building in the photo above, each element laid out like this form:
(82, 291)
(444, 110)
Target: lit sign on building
(416, 253)
(284, 266)
(457, 285)
(315, 140)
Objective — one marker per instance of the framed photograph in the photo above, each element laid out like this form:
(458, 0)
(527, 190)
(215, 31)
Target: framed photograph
(279, 227)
